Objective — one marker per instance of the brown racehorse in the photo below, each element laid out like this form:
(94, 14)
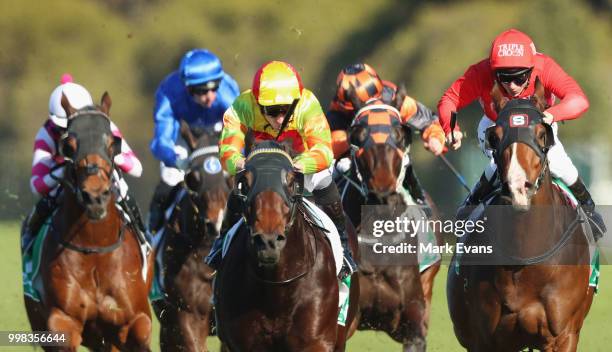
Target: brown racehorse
(277, 289)
(395, 299)
(91, 267)
(542, 299)
(185, 313)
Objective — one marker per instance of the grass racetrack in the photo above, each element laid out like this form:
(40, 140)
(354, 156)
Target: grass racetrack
(595, 335)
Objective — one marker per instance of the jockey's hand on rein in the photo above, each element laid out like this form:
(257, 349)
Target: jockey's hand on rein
(449, 139)
(548, 117)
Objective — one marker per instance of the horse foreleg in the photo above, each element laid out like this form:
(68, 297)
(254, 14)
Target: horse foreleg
(427, 283)
(136, 335)
(61, 322)
(565, 343)
(194, 329)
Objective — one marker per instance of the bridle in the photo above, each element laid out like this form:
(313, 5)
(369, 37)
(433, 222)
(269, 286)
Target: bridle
(266, 164)
(71, 164)
(379, 132)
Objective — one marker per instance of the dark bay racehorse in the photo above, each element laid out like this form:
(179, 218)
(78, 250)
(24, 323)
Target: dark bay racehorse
(185, 313)
(542, 299)
(395, 298)
(91, 268)
(276, 289)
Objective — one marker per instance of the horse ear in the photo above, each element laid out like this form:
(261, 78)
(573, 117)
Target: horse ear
(66, 106)
(499, 100)
(187, 135)
(105, 103)
(538, 98)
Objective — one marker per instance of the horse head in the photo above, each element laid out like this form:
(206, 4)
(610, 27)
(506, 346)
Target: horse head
(89, 147)
(270, 190)
(380, 141)
(205, 180)
(520, 140)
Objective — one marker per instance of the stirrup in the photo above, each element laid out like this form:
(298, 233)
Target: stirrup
(349, 267)
(597, 224)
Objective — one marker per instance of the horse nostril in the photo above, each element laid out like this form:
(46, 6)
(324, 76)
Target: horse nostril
(528, 184)
(280, 238)
(106, 193)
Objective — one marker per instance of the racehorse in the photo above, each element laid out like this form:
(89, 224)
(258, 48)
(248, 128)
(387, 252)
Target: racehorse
(393, 298)
(276, 288)
(536, 294)
(185, 312)
(92, 264)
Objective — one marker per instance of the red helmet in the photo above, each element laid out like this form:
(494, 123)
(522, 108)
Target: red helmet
(357, 81)
(512, 49)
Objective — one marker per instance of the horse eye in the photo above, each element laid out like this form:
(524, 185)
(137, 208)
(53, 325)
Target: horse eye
(359, 135)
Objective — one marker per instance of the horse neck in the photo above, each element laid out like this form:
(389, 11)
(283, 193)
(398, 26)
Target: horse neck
(73, 223)
(538, 229)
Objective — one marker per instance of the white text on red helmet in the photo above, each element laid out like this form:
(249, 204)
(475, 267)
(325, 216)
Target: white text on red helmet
(511, 50)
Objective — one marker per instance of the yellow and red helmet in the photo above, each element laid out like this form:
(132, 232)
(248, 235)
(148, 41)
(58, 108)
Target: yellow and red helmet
(276, 83)
(357, 82)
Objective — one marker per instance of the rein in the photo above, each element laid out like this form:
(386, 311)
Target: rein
(90, 250)
(567, 234)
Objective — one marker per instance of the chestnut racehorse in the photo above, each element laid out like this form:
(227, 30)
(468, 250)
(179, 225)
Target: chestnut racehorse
(393, 298)
(534, 293)
(185, 312)
(92, 265)
(277, 289)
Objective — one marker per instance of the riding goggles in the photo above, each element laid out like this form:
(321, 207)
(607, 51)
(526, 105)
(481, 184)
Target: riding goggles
(518, 77)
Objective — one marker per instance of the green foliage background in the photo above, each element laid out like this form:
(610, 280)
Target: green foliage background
(127, 47)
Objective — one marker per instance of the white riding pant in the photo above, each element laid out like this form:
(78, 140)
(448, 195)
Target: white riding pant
(171, 175)
(318, 180)
(560, 164)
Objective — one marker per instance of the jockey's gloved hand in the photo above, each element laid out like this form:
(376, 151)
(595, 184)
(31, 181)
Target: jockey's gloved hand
(343, 165)
(548, 117)
(182, 163)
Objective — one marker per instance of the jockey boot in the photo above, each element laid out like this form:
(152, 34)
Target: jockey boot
(412, 184)
(42, 210)
(128, 204)
(159, 203)
(481, 189)
(233, 213)
(329, 200)
(583, 196)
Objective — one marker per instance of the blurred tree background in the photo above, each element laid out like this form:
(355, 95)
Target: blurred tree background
(127, 47)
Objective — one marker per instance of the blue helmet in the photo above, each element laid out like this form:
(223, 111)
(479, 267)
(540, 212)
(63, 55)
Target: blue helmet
(199, 66)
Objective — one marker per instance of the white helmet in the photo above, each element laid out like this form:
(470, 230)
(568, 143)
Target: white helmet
(77, 96)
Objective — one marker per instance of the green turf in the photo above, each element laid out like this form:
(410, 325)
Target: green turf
(595, 334)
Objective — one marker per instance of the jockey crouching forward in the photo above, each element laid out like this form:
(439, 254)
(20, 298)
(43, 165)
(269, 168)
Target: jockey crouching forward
(46, 164)
(198, 93)
(277, 94)
(359, 84)
(513, 65)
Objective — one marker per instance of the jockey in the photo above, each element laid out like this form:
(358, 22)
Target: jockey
(277, 94)
(514, 64)
(359, 83)
(199, 92)
(44, 171)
